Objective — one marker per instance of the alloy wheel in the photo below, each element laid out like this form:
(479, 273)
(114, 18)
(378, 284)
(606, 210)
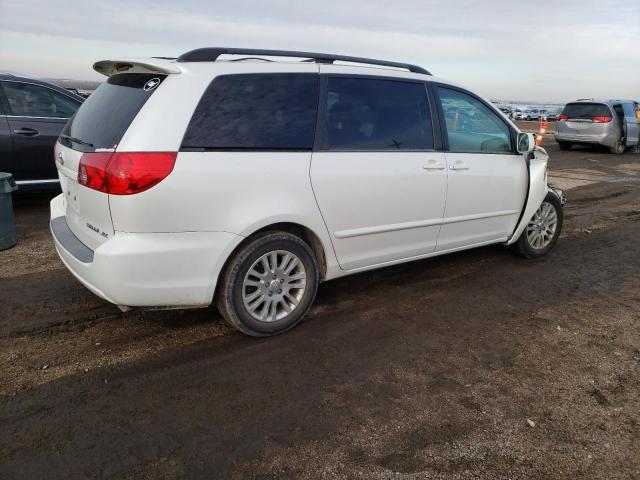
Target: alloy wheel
(274, 286)
(542, 227)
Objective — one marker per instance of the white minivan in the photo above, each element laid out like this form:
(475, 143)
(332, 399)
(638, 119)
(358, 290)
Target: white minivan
(223, 176)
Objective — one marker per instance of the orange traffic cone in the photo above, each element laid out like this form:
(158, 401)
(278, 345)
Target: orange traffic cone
(541, 131)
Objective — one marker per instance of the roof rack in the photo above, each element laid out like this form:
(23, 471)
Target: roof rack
(212, 54)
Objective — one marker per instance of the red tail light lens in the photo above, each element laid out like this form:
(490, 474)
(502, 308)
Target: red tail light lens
(602, 119)
(130, 173)
(562, 118)
(124, 173)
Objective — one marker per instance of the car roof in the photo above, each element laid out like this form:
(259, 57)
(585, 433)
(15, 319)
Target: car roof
(171, 66)
(15, 77)
(607, 101)
(216, 55)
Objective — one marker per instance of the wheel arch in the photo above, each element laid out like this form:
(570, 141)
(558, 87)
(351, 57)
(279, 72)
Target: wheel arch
(303, 232)
(297, 229)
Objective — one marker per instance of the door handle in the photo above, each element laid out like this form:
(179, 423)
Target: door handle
(433, 165)
(27, 132)
(458, 167)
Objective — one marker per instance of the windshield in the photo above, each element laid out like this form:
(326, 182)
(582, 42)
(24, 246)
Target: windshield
(104, 117)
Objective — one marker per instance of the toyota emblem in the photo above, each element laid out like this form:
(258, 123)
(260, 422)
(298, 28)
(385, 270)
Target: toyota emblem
(151, 84)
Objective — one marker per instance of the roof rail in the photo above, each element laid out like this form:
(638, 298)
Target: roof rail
(212, 54)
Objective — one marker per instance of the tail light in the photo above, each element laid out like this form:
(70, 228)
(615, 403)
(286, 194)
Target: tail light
(124, 173)
(602, 119)
(563, 118)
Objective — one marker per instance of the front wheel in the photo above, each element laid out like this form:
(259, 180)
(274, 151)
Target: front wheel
(565, 145)
(543, 230)
(269, 284)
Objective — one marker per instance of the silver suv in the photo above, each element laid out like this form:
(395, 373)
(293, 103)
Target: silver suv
(611, 123)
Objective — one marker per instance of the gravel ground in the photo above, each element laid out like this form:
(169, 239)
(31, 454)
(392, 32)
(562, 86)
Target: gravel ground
(474, 365)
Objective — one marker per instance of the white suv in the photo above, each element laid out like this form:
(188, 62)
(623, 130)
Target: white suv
(247, 182)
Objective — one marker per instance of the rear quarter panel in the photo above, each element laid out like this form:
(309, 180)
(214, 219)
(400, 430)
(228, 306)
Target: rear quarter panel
(222, 191)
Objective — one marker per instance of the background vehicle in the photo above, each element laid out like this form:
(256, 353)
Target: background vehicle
(552, 115)
(611, 123)
(32, 115)
(519, 114)
(287, 174)
(534, 114)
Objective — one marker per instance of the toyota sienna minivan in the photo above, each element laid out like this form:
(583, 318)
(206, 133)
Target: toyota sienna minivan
(219, 177)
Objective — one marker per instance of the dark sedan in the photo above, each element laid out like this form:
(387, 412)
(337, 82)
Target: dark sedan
(32, 115)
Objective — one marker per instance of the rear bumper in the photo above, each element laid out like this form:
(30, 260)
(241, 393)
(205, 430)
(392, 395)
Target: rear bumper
(146, 269)
(607, 139)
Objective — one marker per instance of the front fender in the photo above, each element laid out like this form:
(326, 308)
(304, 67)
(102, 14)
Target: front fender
(538, 190)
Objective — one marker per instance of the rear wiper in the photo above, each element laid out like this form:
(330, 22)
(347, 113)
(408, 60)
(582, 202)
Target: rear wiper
(76, 140)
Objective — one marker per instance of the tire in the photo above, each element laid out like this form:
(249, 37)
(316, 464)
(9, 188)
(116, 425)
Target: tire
(246, 282)
(565, 145)
(618, 147)
(526, 244)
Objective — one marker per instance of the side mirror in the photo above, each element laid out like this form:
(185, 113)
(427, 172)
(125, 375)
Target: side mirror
(526, 142)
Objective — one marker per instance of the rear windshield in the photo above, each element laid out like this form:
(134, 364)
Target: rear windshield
(586, 110)
(104, 117)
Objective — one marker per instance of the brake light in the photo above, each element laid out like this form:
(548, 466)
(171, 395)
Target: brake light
(563, 118)
(602, 119)
(124, 173)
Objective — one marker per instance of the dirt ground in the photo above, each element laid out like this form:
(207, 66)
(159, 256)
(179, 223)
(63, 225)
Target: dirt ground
(474, 365)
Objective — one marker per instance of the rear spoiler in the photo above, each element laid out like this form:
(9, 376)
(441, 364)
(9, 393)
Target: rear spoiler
(147, 65)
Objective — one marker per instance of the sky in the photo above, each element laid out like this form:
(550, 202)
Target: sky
(527, 50)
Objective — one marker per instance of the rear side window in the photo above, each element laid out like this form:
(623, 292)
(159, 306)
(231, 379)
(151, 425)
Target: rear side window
(29, 100)
(105, 116)
(377, 114)
(586, 110)
(256, 111)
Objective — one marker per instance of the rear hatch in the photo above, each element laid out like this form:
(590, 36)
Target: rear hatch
(583, 118)
(95, 131)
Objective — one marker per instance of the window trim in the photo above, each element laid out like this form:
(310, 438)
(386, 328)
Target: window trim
(254, 149)
(443, 122)
(3, 96)
(321, 143)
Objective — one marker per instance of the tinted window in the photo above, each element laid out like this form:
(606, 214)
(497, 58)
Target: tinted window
(373, 114)
(586, 110)
(274, 111)
(471, 125)
(108, 112)
(28, 100)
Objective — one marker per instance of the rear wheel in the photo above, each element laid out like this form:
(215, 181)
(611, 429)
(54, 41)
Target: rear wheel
(543, 230)
(618, 147)
(269, 285)
(565, 145)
